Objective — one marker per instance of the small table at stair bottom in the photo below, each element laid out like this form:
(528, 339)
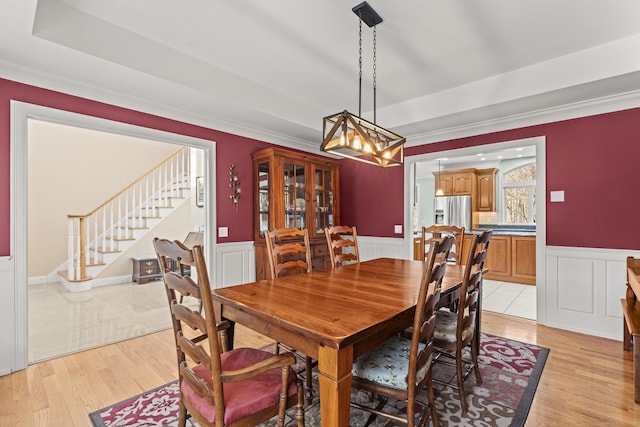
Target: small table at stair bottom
(146, 269)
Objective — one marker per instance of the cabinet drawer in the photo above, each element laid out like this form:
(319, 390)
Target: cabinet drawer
(320, 250)
(149, 267)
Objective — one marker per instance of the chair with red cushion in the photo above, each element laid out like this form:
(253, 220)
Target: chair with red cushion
(240, 387)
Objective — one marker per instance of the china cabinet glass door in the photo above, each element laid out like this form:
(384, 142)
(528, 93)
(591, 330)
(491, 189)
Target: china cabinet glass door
(264, 193)
(294, 195)
(323, 199)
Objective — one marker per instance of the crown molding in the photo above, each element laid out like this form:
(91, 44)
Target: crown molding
(575, 110)
(88, 90)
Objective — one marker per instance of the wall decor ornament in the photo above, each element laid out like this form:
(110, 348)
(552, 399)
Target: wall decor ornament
(234, 183)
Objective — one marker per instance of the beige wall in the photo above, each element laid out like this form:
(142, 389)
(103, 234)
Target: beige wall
(72, 171)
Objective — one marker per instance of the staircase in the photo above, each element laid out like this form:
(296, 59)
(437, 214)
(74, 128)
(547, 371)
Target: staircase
(101, 236)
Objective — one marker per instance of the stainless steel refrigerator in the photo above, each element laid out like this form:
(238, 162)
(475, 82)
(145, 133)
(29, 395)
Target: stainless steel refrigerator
(453, 210)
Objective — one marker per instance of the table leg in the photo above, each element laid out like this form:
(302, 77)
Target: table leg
(228, 334)
(636, 369)
(626, 336)
(334, 377)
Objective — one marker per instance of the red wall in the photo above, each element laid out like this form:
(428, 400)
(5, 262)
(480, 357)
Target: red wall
(371, 198)
(230, 149)
(593, 159)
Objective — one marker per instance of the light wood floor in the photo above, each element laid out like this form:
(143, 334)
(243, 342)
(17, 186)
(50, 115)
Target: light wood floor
(587, 381)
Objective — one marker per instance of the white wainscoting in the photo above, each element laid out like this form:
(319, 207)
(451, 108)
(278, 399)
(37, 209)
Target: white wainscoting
(380, 247)
(583, 289)
(235, 264)
(7, 315)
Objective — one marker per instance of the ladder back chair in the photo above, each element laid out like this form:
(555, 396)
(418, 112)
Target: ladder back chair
(343, 245)
(240, 387)
(289, 253)
(455, 331)
(401, 367)
(435, 232)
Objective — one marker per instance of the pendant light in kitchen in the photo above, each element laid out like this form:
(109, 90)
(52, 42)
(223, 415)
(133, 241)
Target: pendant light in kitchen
(439, 192)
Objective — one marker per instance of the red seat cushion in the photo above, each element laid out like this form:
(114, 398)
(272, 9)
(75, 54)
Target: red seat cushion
(241, 398)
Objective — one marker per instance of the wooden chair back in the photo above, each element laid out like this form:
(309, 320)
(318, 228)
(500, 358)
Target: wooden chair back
(435, 232)
(411, 374)
(288, 251)
(342, 241)
(470, 289)
(201, 364)
(424, 320)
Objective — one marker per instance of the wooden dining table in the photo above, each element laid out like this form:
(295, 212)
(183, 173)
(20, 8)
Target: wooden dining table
(333, 316)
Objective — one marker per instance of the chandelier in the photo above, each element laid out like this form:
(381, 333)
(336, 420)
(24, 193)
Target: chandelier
(353, 137)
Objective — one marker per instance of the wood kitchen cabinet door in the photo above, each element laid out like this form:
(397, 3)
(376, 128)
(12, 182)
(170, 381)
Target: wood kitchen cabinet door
(463, 184)
(486, 194)
(523, 254)
(499, 258)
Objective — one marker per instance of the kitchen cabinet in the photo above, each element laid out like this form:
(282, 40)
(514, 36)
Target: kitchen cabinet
(486, 190)
(523, 259)
(456, 183)
(499, 258)
(294, 190)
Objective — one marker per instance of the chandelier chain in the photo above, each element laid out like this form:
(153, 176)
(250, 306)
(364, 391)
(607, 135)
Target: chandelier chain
(374, 57)
(360, 67)
(374, 73)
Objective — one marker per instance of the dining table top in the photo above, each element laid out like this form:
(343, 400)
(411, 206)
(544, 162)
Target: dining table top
(338, 307)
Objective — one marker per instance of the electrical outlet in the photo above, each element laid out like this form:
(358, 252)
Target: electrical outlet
(223, 231)
(397, 229)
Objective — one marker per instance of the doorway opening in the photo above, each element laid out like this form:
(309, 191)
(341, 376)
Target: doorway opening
(503, 294)
(92, 326)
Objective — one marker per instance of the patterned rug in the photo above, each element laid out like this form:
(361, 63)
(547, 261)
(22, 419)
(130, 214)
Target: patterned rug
(510, 374)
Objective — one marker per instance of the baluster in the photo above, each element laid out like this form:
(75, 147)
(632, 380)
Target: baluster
(111, 227)
(126, 215)
(172, 179)
(165, 186)
(140, 207)
(162, 183)
(95, 236)
(119, 217)
(147, 197)
(104, 228)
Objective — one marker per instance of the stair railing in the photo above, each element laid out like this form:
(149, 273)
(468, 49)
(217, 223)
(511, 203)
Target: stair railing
(98, 231)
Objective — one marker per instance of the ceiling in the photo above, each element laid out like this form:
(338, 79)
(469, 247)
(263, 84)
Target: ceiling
(272, 70)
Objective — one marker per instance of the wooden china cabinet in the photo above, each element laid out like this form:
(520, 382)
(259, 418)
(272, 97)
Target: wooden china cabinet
(293, 189)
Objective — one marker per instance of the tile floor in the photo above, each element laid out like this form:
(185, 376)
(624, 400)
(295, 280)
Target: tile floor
(62, 322)
(513, 299)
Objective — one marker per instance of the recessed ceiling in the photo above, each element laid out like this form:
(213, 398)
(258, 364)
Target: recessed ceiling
(274, 69)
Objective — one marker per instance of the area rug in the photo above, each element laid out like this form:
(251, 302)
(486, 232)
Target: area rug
(510, 371)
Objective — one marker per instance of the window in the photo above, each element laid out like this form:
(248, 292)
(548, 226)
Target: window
(519, 186)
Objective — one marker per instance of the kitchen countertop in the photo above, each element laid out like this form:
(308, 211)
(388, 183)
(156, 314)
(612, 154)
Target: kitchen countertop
(507, 230)
(499, 230)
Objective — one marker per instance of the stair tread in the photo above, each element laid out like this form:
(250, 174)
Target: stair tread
(106, 251)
